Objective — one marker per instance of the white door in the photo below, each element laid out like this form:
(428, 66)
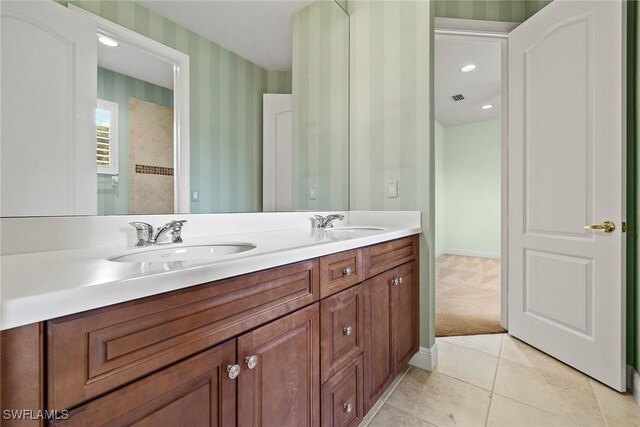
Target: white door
(48, 146)
(277, 153)
(566, 120)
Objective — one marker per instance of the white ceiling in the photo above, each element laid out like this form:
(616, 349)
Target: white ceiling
(479, 87)
(257, 30)
(135, 62)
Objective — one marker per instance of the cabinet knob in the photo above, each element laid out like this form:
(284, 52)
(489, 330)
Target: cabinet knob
(395, 282)
(348, 407)
(347, 330)
(347, 271)
(400, 280)
(251, 361)
(234, 371)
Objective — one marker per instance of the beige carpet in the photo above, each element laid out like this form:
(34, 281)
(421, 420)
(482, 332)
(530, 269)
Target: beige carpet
(467, 296)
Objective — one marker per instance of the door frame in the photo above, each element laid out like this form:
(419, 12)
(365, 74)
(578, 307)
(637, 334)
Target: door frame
(495, 32)
(181, 130)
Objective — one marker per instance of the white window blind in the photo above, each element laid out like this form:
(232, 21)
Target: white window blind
(107, 137)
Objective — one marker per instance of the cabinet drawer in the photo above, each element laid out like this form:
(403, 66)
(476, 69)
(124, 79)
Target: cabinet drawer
(387, 255)
(341, 335)
(194, 392)
(340, 271)
(342, 397)
(94, 352)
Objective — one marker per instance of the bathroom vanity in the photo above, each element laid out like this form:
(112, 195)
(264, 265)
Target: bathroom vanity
(312, 342)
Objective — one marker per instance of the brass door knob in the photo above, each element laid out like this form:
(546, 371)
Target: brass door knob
(606, 227)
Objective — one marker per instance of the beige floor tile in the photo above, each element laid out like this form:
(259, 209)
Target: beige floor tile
(440, 399)
(509, 413)
(568, 396)
(517, 351)
(391, 416)
(618, 409)
(468, 365)
(489, 343)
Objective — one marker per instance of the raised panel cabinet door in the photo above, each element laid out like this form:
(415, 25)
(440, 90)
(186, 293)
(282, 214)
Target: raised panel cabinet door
(195, 392)
(404, 289)
(342, 397)
(280, 380)
(340, 330)
(379, 364)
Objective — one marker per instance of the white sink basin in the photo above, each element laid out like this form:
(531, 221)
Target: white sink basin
(351, 232)
(186, 253)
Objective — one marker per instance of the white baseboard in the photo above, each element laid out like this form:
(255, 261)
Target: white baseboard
(478, 254)
(440, 253)
(425, 358)
(633, 383)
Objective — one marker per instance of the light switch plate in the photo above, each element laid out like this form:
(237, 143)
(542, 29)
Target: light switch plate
(195, 197)
(313, 192)
(392, 189)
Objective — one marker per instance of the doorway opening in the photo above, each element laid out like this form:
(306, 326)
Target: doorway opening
(470, 138)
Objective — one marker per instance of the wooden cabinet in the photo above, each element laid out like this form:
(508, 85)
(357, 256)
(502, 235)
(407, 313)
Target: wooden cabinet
(163, 360)
(391, 327)
(341, 330)
(94, 352)
(405, 314)
(340, 271)
(342, 397)
(379, 366)
(195, 392)
(283, 388)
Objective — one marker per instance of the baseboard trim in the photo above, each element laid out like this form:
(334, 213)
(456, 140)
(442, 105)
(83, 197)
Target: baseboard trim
(633, 383)
(425, 358)
(478, 254)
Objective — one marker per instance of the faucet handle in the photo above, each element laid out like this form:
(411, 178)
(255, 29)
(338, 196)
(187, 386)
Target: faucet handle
(144, 232)
(176, 230)
(319, 221)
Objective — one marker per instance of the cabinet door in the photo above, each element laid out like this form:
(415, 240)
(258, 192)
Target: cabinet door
(379, 365)
(405, 313)
(340, 330)
(342, 397)
(195, 392)
(281, 385)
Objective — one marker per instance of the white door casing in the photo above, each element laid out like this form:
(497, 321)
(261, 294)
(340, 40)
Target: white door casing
(277, 152)
(566, 157)
(48, 147)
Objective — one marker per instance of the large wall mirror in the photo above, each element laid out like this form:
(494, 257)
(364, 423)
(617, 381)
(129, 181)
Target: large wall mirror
(153, 107)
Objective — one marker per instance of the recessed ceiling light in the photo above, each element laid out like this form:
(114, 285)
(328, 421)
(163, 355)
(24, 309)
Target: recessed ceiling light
(467, 68)
(487, 106)
(107, 41)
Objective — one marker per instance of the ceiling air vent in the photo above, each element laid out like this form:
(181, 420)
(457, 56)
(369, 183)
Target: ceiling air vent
(457, 97)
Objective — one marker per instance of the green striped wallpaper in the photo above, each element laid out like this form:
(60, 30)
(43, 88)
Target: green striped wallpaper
(490, 10)
(392, 120)
(321, 107)
(118, 88)
(226, 108)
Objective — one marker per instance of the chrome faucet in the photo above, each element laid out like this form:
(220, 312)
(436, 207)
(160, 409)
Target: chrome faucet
(146, 235)
(326, 222)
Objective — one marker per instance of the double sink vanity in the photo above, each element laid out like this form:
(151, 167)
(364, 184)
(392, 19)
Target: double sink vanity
(271, 326)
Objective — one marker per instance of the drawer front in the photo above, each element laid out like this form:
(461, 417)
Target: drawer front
(385, 256)
(99, 350)
(341, 334)
(340, 271)
(342, 397)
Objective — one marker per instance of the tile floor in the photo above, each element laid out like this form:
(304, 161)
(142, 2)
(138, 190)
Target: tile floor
(496, 380)
(467, 295)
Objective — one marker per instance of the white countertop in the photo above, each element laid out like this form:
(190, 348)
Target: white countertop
(39, 286)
